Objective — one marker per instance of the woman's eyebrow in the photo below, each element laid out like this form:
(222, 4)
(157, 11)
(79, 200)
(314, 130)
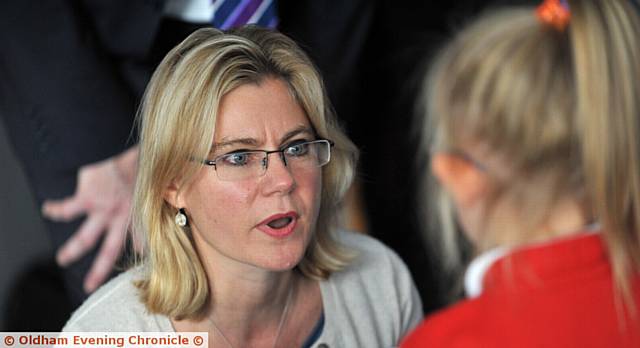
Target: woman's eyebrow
(254, 143)
(230, 142)
(299, 130)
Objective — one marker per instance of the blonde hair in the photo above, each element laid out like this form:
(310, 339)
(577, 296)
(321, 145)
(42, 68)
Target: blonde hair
(177, 121)
(560, 107)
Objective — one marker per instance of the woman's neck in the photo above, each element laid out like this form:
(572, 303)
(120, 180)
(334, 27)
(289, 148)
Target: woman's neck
(246, 300)
(248, 294)
(247, 304)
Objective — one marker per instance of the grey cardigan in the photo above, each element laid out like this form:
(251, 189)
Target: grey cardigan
(371, 303)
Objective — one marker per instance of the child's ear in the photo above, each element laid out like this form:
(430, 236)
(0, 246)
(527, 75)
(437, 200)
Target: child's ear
(460, 177)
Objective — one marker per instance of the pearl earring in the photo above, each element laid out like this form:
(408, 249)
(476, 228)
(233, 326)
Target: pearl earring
(181, 218)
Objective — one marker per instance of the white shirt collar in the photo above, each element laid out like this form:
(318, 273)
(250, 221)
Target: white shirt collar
(478, 267)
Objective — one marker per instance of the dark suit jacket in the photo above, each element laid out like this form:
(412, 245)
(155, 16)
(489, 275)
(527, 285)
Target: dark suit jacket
(71, 75)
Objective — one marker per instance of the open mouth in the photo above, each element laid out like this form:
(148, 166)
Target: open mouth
(280, 223)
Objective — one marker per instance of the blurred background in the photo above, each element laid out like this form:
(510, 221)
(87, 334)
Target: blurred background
(29, 278)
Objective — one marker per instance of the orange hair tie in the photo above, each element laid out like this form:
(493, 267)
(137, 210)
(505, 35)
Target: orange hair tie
(555, 13)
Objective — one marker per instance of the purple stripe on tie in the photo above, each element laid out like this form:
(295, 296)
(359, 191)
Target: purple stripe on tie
(223, 10)
(247, 12)
(260, 11)
(228, 22)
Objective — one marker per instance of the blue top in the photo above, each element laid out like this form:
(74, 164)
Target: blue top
(315, 334)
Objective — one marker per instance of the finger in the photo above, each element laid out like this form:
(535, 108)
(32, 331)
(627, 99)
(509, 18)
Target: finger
(110, 250)
(63, 210)
(82, 241)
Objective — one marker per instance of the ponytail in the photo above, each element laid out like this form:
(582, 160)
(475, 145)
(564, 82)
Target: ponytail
(604, 38)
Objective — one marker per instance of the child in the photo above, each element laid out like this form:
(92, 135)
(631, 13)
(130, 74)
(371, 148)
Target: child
(534, 121)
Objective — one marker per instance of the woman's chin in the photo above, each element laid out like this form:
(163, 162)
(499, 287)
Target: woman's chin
(282, 260)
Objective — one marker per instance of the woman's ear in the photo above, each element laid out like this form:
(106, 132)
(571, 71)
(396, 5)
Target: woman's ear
(462, 178)
(172, 195)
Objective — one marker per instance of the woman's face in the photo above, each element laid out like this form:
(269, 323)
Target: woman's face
(265, 221)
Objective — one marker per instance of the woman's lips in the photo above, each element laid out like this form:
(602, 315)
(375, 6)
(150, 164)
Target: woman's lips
(267, 225)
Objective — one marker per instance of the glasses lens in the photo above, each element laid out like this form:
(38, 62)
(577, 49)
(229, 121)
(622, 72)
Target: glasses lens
(240, 165)
(323, 149)
(310, 154)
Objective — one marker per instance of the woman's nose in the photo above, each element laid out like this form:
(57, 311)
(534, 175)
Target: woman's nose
(278, 176)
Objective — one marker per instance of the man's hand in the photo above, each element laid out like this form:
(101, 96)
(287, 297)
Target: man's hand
(103, 193)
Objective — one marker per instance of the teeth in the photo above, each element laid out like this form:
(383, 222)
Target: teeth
(280, 223)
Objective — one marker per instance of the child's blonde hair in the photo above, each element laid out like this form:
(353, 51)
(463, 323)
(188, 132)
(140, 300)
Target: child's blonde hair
(560, 107)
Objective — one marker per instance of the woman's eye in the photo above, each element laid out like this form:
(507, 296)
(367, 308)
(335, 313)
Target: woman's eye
(237, 159)
(297, 150)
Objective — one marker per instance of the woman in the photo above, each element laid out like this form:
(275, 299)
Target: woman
(536, 141)
(242, 170)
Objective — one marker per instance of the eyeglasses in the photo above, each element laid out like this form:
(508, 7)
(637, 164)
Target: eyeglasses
(298, 156)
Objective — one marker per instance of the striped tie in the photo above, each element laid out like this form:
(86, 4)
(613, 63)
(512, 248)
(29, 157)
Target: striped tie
(234, 13)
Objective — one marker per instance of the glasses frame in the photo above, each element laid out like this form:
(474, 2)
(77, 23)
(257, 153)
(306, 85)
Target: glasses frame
(265, 163)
